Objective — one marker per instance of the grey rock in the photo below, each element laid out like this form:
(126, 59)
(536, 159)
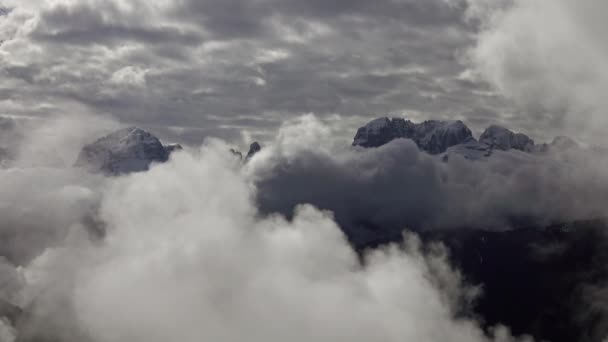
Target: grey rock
(471, 150)
(124, 151)
(504, 139)
(237, 153)
(170, 148)
(253, 149)
(432, 136)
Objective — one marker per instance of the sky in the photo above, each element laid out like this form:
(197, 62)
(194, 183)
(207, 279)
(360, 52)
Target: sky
(299, 76)
(235, 69)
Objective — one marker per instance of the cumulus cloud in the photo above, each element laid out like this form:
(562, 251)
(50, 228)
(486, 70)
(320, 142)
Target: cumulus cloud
(42, 195)
(230, 276)
(205, 247)
(228, 68)
(186, 255)
(376, 193)
(555, 69)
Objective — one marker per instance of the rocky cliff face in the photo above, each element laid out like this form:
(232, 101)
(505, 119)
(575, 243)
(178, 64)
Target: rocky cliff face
(431, 136)
(498, 137)
(449, 138)
(124, 151)
(253, 149)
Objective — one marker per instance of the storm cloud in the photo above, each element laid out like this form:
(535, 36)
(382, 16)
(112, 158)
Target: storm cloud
(235, 69)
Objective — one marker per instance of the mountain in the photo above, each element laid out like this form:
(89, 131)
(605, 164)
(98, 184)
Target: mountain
(253, 149)
(543, 281)
(504, 139)
(170, 148)
(449, 138)
(127, 150)
(431, 136)
(494, 138)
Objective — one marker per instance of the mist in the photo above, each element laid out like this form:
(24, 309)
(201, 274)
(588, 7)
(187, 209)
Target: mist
(376, 193)
(187, 256)
(206, 247)
(311, 239)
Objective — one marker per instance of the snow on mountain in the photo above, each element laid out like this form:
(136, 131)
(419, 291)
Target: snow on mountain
(127, 150)
(431, 136)
(453, 138)
(173, 147)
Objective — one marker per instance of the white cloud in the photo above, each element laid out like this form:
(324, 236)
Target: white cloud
(550, 57)
(187, 256)
(187, 259)
(130, 76)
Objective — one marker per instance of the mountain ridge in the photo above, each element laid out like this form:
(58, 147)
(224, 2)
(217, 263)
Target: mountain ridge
(453, 137)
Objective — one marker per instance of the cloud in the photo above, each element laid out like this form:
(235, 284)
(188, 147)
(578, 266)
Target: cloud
(7, 333)
(43, 197)
(230, 251)
(187, 257)
(376, 193)
(554, 69)
(209, 64)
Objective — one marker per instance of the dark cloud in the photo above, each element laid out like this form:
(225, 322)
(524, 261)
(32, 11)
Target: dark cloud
(202, 64)
(85, 24)
(377, 193)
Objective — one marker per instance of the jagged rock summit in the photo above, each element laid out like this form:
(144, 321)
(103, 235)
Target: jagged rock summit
(504, 139)
(253, 149)
(432, 136)
(127, 150)
(446, 138)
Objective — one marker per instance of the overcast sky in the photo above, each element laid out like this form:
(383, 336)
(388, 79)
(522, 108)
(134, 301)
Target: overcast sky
(236, 69)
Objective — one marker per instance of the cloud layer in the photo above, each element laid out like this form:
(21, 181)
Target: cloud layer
(187, 256)
(376, 193)
(230, 68)
(230, 251)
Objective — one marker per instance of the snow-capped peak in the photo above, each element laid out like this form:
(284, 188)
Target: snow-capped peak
(130, 149)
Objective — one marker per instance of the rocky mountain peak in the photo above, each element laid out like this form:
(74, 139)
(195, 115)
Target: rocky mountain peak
(432, 136)
(253, 149)
(498, 137)
(127, 150)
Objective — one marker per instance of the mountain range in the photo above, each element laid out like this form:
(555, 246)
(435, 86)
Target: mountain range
(534, 280)
(133, 149)
(447, 138)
